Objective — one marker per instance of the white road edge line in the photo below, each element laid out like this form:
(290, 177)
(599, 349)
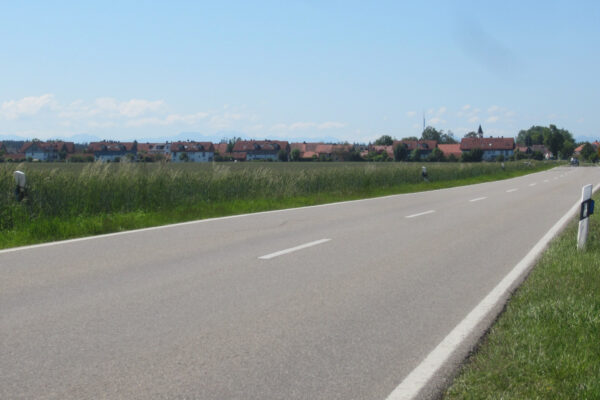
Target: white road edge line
(511, 190)
(292, 249)
(419, 214)
(478, 199)
(414, 382)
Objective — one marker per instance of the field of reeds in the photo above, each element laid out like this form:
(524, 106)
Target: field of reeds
(70, 200)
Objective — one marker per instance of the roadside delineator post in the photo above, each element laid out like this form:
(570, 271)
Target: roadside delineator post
(20, 181)
(587, 209)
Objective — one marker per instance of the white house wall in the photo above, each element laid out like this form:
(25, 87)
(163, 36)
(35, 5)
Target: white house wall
(200, 156)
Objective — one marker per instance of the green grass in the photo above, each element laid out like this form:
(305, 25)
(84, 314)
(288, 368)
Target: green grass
(546, 345)
(73, 200)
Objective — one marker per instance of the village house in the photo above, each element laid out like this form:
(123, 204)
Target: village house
(424, 147)
(108, 151)
(192, 152)
(450, 150)
(529, 150)
(389, 150)
(261, 149)
(321, 151)
(224, 155)
(47, 151)
(153, 151)
(491, 147)
(578, 149)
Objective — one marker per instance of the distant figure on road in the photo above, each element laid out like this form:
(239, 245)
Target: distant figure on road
(424, 173)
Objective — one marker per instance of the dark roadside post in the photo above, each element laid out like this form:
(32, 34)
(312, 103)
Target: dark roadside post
(20, 181)
(587, 209)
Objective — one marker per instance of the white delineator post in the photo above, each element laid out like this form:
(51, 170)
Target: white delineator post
(586, 194)
(19, 179)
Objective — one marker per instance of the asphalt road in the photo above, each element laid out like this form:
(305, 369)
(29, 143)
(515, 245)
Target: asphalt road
(330, 302)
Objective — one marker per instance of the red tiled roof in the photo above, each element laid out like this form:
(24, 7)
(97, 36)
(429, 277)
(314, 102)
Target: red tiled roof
(467, 144)
(111, 146)
(253, 146)
(50, 146)
(449, 149)
(221, 148)
(192, 146)
(420, 144)
(380, 149)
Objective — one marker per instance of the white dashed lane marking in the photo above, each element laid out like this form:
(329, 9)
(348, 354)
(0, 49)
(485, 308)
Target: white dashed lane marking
(421, 213)
(478, 199)
(292, 249)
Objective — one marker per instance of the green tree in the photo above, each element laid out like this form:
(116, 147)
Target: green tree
(475, 155)
(384, 140)
(282, 155)
(295, 155)
(472, 135)
(411, 138)
(355, 155)
(184, 157)
(559, 141)
(436, 155)
(588, 152)
(415, 155)
(537, 155)
(567, 150)
(554, 141)
(430, 133)
(401, 152)
(231, 142)
(448, 138)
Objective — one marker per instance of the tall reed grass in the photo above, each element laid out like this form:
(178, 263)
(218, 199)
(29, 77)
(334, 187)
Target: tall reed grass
(76, 190)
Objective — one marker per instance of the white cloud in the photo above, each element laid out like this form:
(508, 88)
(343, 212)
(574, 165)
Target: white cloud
(442, 110)
(492, 119)
(436, 120)
(109, 107)
(137, 107)
(466, 107)
(14, 109)
(474, 119)
(411, 113)
(493, 109)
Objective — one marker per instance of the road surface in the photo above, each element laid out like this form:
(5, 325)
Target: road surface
(338, 301)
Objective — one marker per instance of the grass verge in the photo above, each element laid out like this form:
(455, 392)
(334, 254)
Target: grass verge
(70, 204)
(546, 343)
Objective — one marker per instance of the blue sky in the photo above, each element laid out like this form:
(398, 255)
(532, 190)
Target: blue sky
(311, 70)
